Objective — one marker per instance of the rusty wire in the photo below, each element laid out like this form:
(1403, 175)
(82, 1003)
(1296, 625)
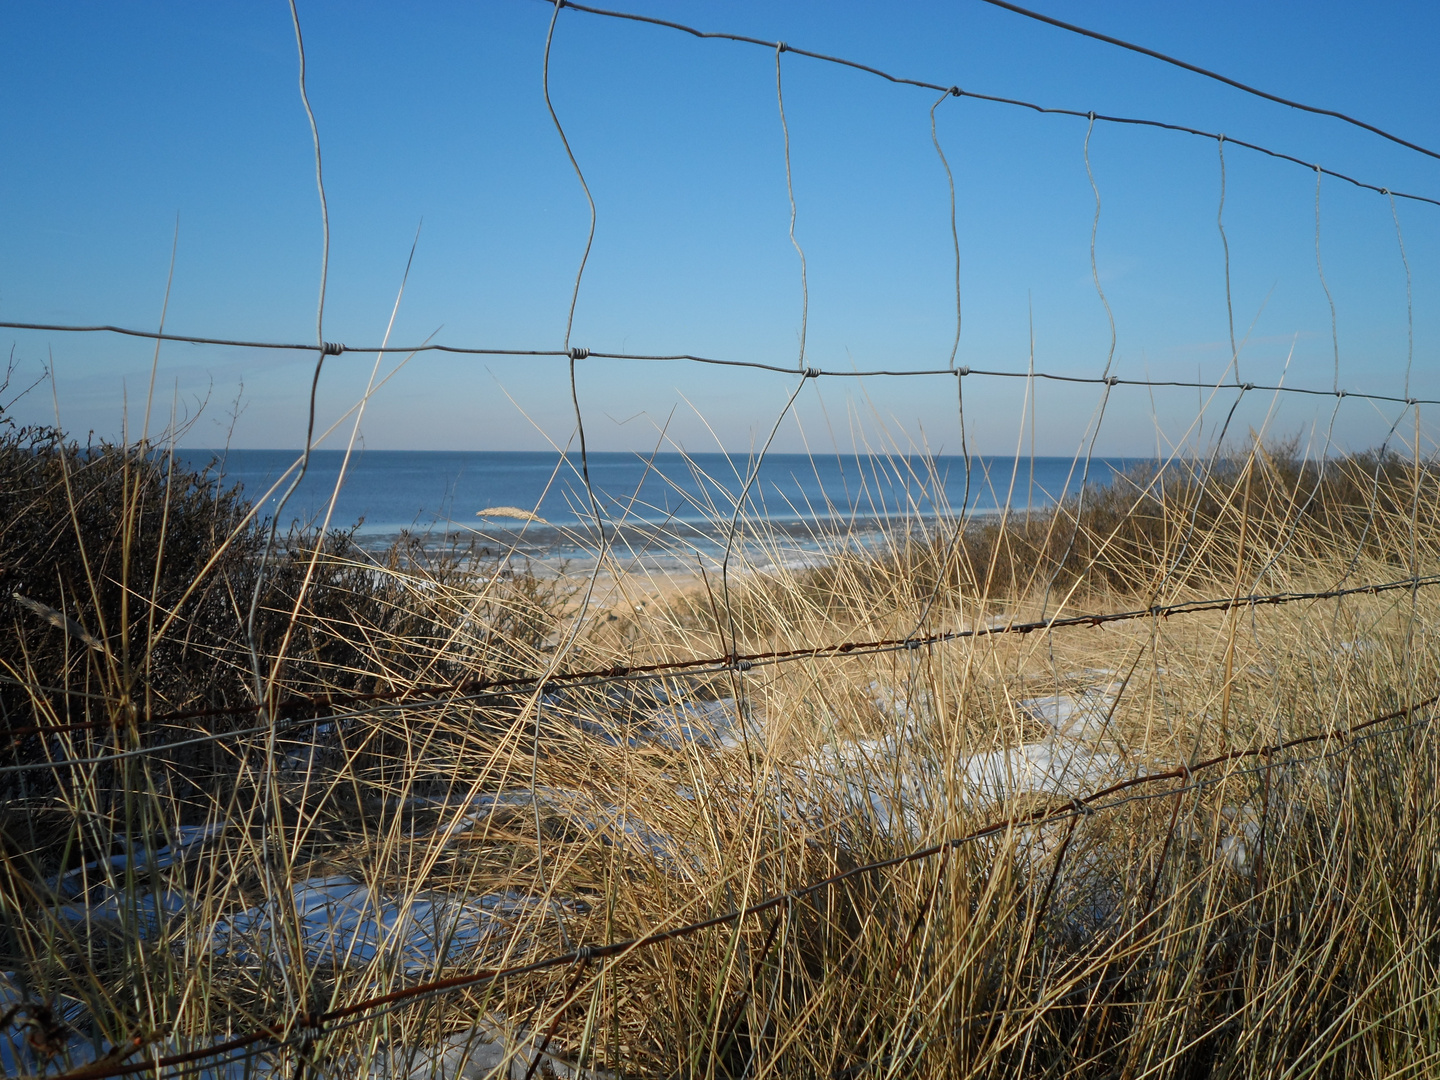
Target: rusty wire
(483, 690)
(283, 1032)
(290, 714)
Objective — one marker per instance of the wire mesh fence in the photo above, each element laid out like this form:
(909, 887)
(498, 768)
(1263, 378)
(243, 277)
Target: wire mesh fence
(336, 814)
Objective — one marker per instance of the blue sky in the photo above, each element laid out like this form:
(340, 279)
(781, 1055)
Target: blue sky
(119, 118)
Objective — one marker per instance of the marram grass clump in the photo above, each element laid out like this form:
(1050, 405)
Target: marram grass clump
(218, 822)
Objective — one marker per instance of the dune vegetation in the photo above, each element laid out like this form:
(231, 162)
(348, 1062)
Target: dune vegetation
(266, 794)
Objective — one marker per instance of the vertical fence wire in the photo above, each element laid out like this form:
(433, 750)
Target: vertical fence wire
(1329, 298)
(284, 915)
(573, 355)
(958, 525)
(1225, 245)
(1094, 431)
(790, 191)
(954, 229)
(1409, 293)
(286, 920)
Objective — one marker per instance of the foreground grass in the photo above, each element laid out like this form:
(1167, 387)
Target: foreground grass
(1279, 919)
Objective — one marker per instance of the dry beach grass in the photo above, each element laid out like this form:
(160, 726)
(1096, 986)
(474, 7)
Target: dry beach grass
(1275, 916)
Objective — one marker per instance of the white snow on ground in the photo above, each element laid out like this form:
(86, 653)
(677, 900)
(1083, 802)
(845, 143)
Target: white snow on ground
(863, 780)
(706, 723)
(148, 912)
(1048, 766)
(885, 782)
(580, 809)
(187, 842)
(488, 1051)
(17, 1057)
(345, 923)
(674, 725)
(1084, 715)
(1070, 761)
(96, 892)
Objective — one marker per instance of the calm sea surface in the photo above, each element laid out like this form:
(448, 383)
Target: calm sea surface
(670, 495)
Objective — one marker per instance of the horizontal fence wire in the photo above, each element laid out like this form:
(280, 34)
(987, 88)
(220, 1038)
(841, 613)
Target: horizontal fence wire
(309, 1026)
(480, 690)
(337, 349)
(956, 91)
(295, 712)
(1207, 73)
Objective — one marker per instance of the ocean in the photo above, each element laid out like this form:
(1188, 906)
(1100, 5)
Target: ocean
(673, 506)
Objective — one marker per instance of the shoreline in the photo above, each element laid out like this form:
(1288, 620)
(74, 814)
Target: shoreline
(759, 545)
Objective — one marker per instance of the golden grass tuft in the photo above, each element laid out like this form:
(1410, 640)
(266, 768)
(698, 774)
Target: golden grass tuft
(1280, 919)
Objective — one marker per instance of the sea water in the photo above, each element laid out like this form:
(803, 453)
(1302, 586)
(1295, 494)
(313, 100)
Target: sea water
(661, 507)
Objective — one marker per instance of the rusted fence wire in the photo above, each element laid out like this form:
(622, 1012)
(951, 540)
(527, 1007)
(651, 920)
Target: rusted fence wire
(471, 691)
(285, 715)
(291, 1029)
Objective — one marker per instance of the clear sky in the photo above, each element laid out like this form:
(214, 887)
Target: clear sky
(120, 118)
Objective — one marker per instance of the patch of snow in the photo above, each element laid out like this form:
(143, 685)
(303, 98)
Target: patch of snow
(490, 1050)
(582, 810)
(1051, 766)
(1358, 647)
(674, 725)
(1084, 715)
(892, 702)
(702, 723)
(148, 911)
(17, 1056)
(343, 922)
(187, 841)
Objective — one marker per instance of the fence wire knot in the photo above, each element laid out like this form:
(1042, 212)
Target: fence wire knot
(962, 371)
(1247, 386)
(812, 373)
(331, 348)
(955, 91)
(911, 644)
(311, 1023)
(577, 353)
(780, 46)
(1081, 807)
(1341, 393)
(1112, 380)
(584, 954)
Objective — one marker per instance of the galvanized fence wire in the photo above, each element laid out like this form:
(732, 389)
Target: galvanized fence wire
(1207, 73)
(580, 354)
(1085, 114)
(291, 715)
(294, 1030)
(480, 690)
